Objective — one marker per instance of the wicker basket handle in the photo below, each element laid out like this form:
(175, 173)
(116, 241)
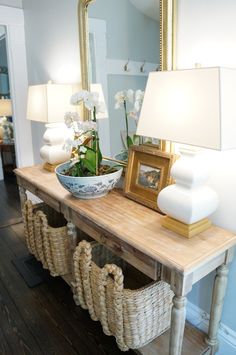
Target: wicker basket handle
(112, 269)
(41, 223)
(82, 266)
(27, 214)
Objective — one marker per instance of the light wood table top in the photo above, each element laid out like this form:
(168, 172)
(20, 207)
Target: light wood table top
(135, 224)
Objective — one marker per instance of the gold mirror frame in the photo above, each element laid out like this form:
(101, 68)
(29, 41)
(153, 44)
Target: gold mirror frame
(167, 43)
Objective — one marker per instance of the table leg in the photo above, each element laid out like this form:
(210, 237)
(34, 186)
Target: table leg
(178, 316)
(218, 295)
(23, 196)
(72, 232)
(181, 285)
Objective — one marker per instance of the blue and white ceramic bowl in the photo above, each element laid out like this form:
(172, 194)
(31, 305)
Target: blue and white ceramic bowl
(91, 186)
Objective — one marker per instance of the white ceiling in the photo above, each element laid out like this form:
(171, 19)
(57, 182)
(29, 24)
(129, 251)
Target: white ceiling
(149, 7)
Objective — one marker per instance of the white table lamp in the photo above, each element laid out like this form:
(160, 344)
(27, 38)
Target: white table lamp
(48, 103)
(194, 107)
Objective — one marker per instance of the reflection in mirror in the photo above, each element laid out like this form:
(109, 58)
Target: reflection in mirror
(4, 81)
(124, 48)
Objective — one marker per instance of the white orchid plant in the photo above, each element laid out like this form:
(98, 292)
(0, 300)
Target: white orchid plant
(86, 155)
(127, 98)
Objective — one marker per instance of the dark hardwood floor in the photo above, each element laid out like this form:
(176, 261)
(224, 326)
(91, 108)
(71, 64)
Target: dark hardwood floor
(44, 319)
(9, 201)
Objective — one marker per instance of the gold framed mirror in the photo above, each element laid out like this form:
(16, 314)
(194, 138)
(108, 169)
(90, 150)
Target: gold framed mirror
(167, 30)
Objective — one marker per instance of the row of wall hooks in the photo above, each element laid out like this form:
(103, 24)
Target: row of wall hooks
(127, 69)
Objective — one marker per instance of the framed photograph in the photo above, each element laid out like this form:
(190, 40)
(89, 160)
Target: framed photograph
(148, 172)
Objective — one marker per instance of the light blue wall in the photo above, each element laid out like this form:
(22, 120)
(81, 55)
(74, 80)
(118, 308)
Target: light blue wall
(201, 296)
(130, 34)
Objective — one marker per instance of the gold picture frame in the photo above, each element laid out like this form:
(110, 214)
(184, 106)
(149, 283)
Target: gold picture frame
(148, 172)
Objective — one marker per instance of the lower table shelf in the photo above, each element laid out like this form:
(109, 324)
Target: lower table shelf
(193, 343)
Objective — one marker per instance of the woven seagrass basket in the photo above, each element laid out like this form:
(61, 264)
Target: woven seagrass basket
(134, 316)
(47, 238)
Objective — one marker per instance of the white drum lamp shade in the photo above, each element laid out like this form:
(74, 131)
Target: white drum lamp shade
(195, 107)
(5, 107)
(48, 103)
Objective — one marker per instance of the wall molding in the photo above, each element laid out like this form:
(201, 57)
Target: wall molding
(200, 319)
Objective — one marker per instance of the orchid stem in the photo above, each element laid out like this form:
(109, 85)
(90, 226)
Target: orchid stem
(96, 141)
(127, 125)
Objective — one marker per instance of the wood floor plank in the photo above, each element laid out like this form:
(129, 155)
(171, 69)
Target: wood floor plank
(9, 199)
(39, 320)
(10, 222)
(15, 332)
(4, 346)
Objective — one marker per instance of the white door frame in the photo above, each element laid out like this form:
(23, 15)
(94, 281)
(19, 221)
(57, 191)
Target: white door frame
(13, 19)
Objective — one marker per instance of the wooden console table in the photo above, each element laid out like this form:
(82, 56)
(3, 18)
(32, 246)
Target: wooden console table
(133, 232)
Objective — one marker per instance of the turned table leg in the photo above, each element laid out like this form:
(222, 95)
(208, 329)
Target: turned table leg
(218, 295)
(180, 284)
(178, 316)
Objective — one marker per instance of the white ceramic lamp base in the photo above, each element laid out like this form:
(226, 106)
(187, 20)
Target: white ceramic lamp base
(53, 152)
(188, 202)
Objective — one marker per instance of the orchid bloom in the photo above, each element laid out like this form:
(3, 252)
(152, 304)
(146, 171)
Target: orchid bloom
(124, 96)
(90, 99)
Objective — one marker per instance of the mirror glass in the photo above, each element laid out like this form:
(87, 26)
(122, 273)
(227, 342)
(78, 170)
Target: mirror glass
(124, 47)
(4, 80)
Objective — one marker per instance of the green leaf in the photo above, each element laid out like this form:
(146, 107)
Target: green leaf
(129, 141)
(89, 162)
(76, 170)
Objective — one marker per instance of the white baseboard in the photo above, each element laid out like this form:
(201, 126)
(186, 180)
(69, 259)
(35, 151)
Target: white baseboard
(200, 319)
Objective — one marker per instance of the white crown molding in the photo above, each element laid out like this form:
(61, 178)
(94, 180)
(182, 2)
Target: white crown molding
(200, 319)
